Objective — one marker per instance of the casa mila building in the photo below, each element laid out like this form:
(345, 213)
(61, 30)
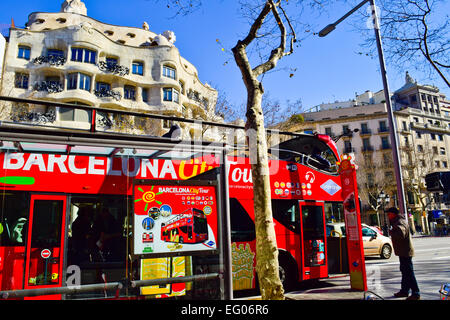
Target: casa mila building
(69, 57)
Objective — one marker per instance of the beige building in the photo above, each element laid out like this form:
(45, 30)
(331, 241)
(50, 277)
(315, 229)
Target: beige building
(422, 118)
(69, 57)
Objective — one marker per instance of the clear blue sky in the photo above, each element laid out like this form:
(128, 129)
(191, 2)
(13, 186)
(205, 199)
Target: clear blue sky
(328, 69)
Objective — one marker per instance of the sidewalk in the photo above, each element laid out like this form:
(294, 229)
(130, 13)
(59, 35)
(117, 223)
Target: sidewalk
(336, 287)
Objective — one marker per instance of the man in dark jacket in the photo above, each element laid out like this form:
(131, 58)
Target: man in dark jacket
(403, 248)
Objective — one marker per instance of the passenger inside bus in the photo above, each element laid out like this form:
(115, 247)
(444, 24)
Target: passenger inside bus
(82, 237)
(18, 234)
(107, 232)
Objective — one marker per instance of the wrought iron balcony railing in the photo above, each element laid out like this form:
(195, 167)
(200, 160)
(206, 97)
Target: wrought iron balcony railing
(113, 68)
(49, 86)
(51, 60)
(106, 93)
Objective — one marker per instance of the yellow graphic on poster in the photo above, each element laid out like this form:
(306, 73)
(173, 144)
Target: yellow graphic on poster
(157, 268)
(243, 258)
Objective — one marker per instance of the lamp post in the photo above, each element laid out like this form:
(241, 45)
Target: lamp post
(392, 125)
(383, 200)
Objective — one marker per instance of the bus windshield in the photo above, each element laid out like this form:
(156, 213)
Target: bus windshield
(307, 150)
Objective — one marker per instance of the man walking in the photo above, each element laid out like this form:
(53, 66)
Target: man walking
(403, 248)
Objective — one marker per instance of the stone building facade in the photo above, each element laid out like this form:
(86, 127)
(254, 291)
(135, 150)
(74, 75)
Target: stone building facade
(422, 116)
(69, 57)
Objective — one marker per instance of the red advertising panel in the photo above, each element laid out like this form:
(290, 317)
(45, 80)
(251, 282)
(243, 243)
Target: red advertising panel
(91, 174)
(173, 218)
(355, 249)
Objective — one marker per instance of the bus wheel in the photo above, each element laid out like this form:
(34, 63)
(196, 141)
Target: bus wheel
(287, 274)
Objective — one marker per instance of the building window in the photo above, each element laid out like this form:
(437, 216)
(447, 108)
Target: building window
(383, 126)
(21, 80)
(144, 94)
(328, 131)
(79, 81)
(84, 55)
(24, 52)
(385, 143)
(435, 150)
(418, 135)
(437, 164)
(442, 150)
(419, 148)
(138, 68)
(181, 87)
(130, 93)
(170, 94)
(433, 136)
(169, 72)
(102, 86)
(71, 114)
(444, 164)
(440, 137)
(404, 126)
(111, 62)
(55, 53)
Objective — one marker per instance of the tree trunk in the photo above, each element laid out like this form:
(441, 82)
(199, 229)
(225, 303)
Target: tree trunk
(266, 245)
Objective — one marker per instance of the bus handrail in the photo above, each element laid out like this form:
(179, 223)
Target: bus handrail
(104, 286)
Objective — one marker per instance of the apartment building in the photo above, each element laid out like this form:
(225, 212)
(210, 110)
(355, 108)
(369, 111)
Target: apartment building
(69, 57)
(422, 117)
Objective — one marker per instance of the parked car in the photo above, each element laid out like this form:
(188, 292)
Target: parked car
(374, 242)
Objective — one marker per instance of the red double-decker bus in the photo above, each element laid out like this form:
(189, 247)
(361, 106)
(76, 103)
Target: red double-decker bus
(77, 206)
(305, 185)
(190, 226)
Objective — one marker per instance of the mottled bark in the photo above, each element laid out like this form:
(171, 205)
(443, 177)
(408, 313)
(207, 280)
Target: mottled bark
(266, 245)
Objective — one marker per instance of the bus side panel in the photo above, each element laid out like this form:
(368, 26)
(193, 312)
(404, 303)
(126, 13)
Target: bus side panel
(12, 267)
(291, 243)
(244, 256)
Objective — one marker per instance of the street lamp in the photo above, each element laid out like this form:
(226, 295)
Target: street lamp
(383, 200)
(392, 125)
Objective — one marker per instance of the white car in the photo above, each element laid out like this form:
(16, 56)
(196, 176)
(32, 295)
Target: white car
(374, 242)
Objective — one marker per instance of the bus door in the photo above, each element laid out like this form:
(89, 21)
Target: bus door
(45, 243)
(314, 263)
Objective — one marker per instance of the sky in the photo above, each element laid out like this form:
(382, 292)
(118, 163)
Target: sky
(326, 69)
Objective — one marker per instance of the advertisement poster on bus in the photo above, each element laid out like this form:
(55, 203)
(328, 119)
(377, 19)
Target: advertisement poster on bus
(172, 218)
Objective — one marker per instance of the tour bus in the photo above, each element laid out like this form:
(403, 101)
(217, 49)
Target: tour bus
(305, 186)
(189, 226)
(49, 200)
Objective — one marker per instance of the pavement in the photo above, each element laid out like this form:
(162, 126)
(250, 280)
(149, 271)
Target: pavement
(336, 287)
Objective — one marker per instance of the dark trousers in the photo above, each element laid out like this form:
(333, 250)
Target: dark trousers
(408, 278)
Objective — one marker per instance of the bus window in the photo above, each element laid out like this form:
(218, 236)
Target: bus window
(287, 213)
(312, 222)
(242, 226)
(47, 224)
(200, 225)
(14, 218)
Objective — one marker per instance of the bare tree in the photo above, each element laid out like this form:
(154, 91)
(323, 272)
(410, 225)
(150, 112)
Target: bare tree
(271, 37)
(416, 34)
(374, 176)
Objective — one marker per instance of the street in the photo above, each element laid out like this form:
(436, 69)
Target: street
(431, 266)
